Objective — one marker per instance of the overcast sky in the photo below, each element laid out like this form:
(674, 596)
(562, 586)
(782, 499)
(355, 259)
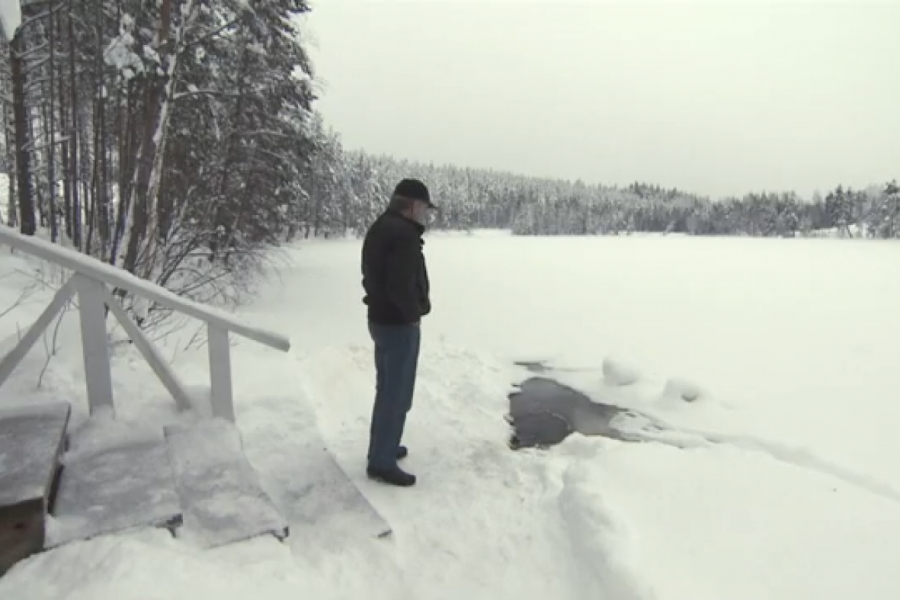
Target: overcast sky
(713, 97)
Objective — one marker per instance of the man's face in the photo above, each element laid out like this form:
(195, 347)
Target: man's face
(420, 212)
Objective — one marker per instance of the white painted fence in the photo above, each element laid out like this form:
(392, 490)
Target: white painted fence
(89, 281)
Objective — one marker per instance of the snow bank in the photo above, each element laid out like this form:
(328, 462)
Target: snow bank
(727, 523)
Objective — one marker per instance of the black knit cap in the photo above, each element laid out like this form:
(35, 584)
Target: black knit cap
(414, 190)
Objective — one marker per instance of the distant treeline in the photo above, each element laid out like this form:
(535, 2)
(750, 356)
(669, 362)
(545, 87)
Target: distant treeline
(478, 198)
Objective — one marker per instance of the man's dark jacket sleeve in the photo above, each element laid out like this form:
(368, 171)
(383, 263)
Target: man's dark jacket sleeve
(403, 260)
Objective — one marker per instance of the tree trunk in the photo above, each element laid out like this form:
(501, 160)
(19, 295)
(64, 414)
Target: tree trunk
(145, 176)
(72, 156)
(51, 118)
(27, 220)
(12, 217)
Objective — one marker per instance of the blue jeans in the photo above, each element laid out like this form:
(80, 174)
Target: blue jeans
(396, 361)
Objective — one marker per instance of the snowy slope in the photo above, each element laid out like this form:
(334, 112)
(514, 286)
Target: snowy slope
(778, 483)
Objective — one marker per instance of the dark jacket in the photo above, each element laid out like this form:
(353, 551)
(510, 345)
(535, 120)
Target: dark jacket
(395, 278)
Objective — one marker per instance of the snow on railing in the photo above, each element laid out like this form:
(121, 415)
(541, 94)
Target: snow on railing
(89, 281)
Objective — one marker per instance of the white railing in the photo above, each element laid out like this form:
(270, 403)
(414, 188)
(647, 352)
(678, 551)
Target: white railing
(89, 281)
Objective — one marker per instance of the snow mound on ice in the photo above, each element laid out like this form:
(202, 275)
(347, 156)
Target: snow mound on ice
(617, 372)
(677, 388)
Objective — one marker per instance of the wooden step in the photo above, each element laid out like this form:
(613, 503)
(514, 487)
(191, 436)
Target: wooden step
(221, 494)
(115, 489)
(32, 439)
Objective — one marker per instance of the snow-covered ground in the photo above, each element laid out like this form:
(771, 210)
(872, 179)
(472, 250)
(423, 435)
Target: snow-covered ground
(780, 482)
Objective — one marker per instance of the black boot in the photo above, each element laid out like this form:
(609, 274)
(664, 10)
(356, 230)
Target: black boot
(402, 453)
(393, 476)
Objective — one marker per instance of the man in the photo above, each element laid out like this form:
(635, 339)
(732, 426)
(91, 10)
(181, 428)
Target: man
(396, 285)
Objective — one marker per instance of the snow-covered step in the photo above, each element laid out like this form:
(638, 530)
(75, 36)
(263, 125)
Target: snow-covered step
(115, 489)
(221, 494)
(31, 441)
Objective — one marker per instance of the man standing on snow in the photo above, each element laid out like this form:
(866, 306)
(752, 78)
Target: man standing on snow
(396, 286)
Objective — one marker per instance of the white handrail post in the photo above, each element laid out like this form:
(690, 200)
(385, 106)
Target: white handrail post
(220, 372)
(94, 343)
(12, 359)
(163, 371)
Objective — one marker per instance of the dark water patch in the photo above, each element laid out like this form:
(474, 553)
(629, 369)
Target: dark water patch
(544, 412)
